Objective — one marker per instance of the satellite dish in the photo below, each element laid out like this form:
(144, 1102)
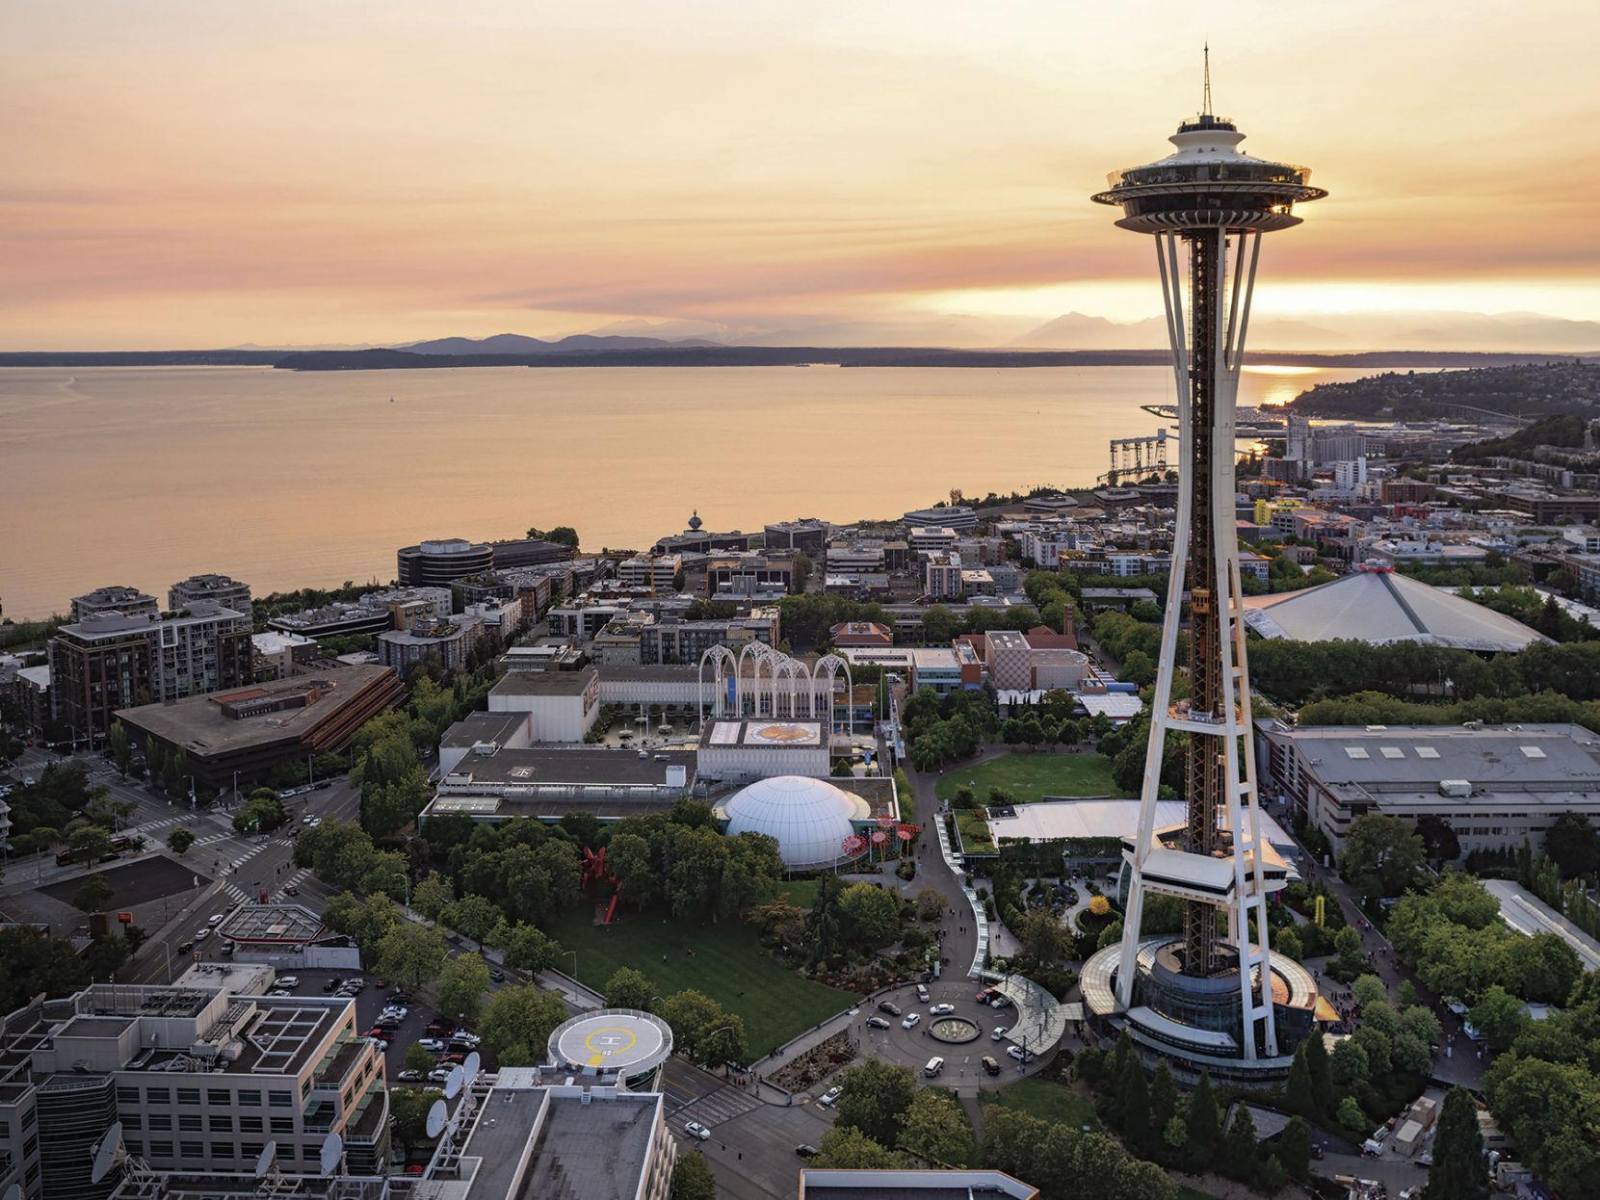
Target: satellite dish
(105, 1152)
(436, 1118)
(472, 1066)
(332, 1152)
(264, 1159)
(453, 1085)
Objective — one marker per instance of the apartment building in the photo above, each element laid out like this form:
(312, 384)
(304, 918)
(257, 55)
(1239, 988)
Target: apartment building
(218, 589)
(128, 601)
(113, 661)
(942, 577)
(449, 641)
(374, 612)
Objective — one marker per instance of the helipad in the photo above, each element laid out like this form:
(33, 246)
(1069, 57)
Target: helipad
(612, 1041)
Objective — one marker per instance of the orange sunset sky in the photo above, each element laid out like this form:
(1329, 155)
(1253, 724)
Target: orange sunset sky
(292, 172)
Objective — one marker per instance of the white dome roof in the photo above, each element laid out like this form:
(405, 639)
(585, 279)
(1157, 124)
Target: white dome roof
(808, 818)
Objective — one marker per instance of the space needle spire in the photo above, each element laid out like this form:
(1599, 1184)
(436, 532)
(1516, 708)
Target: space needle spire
(1206, 205)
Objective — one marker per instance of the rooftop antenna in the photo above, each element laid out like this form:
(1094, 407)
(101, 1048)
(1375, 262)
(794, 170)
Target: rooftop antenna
(1205, 105)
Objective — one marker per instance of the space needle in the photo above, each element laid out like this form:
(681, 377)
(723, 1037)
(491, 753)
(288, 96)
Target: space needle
(1214, 996)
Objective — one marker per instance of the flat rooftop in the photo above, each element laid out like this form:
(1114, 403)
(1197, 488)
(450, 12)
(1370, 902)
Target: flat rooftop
(1050, 820)
(545, 766)
(271, 924)
(545, 683)
(1554, 758)
(483, 727)
(762, 733)
(198, 723)
(1529, 915)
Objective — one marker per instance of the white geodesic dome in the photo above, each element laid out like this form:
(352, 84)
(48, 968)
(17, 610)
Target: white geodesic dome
(808, 818)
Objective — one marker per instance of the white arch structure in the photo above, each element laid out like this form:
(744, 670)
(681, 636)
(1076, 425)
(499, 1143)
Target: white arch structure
(775, 685)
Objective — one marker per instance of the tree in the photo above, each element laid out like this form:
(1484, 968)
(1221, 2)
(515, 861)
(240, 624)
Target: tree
(92, 895)
(934, 1129)
(845, 1147)
(417, 1059)
(1348, 1063)
(1238, 1158)
(629, 988)
(411, 954)
(1298, 1094)
(517, 1023)
(1321, 1073)
(871, 915)
(930, 904)
(692, 1179)
(261, 813)
(366, 919)
(121, 750)
(1044, 939)
(1573, 845)
(1163, 1099)
(88, 843)
(1381, 855)
(1499, 1016)
(433, 896)
(462, 985)
(1351, 1116)
(1133, 1104)
(1459, 1171)
(876, 1096)
(1294, 1148)
(702, 1029)
(180, 840)
(561, 535)
(408, 1108)
(1204, 1123)
(1439, 840)
(526, 947)
(388, 807)
(476, 916)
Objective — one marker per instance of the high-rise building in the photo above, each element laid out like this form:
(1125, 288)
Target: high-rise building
(219, 589)
(114, 660)
(1215, 994)
(129, 601)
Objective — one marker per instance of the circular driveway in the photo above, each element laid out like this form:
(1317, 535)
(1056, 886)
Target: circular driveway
(963, 1064)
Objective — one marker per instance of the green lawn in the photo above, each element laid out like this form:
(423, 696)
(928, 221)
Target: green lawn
(1030, 777)
(975, 835)
(802, 893)
(1046, 1100)
(725, 961)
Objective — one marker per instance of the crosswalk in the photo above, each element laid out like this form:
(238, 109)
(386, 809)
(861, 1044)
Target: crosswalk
(709, 1108)
(294, 880)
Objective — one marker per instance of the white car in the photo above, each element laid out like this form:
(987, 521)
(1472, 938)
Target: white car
(1021, 1055)
(999, 1034)
(465, 1037)
(910, 1021)
(288, 981)
(922, 992)
(831, 1096)
(306, 820)
(202, 934)
(399, 1014)
(216, 919)
(431, 1045)
(941, 1010)
(440, 1074)
(696, 1130)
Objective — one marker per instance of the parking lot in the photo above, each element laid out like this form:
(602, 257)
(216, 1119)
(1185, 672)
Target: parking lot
(963, 1062)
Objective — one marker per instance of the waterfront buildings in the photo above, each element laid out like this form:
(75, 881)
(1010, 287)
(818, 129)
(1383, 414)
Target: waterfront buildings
(126, 601)
(954, 516)
(438, 562)
(112, 660)
(808, 535)
(374, 612)
(1206, 998)
(218, 589)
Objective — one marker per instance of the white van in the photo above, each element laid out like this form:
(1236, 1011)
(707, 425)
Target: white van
(934, 1067)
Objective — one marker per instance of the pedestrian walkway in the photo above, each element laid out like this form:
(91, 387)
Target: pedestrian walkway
(293, 881)
(722, 1103)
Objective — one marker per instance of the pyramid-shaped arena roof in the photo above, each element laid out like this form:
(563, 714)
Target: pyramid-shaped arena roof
(1378, 605)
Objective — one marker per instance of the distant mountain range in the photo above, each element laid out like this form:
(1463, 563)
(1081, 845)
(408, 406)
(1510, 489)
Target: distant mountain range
(517, 343)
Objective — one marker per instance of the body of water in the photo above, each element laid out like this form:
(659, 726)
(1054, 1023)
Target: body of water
(146, 475)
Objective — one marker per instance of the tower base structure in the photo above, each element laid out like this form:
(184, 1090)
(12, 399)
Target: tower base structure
(1192, 1022)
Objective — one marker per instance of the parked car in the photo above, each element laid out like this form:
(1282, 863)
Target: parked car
(999, 1001)
(333, 985)
(440, 1074)
(941, 1010)
(999, 1034)
(409, 1077)
(922, 993)
(877, 1023)
(289, 981)
(829, 1097)
(1021, 1055)
(696, 1130)
(806, 1150)
(934, 1067)
(911, 1021)
(890, 1007)
(226, 949)
(497, 975)
(431, 1045)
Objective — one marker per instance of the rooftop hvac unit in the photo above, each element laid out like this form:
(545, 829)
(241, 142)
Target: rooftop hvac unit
(1459, 789)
